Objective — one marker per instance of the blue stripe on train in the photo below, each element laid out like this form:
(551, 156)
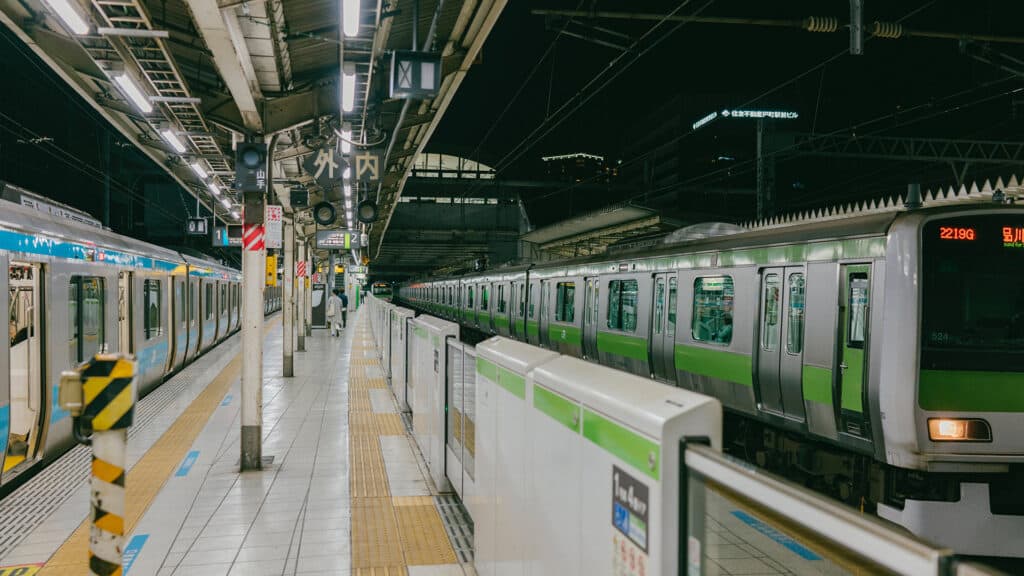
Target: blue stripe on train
(5, 425)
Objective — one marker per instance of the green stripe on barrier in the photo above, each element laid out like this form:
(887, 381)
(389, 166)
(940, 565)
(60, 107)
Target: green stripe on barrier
(503, 377)
(630, 447)
(622, 345)
(420, 332)
(487, 369)
(561, 410)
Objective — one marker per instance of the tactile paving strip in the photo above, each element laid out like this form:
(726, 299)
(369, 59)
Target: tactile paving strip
(359, 401)
(423, 535)
(458, 524)
(375, 539)
(378, 424)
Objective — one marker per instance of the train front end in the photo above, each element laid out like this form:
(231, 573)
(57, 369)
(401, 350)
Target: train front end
(955, 326)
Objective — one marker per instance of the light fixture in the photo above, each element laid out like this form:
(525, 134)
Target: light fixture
(348, 190)
(225, 203)
(132, 91)
(214, 188)
(348, 86)
(173, 140)
(348, 215)
(350, 17)
(346, 138)
(347, 173)
(71, 18)
(348, 203)
(234, 214)
(199, 170)
(959, 430)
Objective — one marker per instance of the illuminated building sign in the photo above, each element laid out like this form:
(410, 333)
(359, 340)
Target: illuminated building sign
(755, 114)
(705, 120)
(1013, 237)
(959, 233)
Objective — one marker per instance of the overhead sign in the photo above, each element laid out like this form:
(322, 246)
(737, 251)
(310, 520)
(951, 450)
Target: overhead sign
(273, 221)
(196, 227)
(353, 269)
(231, 235)
(272, 271)
(251, 166)
(326, 165)
(369, 165)
(415, 74)
(337, 239)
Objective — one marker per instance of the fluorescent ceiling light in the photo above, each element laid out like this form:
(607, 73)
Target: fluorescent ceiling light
(132, 91)
(348, 215)
(350, 17)
(347, 173)
(348, 86)
(214, 188)
(225, 203)
(348, 190)
(346, 138)
(348, 203)
(71, 18)
(199, 170)
(173, 140)
(234, 214)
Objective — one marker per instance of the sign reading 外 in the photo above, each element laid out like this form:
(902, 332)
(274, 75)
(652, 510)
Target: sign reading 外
(326, 165)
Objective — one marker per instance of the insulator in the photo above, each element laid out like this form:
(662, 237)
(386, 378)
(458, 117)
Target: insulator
(821, 24)
(890, 30)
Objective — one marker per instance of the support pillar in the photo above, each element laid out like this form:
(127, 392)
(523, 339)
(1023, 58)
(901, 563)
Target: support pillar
(300, 301)
(253, 276)
(288, 277)
(307, 303)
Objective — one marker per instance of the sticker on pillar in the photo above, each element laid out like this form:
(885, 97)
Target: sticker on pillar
(629, 506)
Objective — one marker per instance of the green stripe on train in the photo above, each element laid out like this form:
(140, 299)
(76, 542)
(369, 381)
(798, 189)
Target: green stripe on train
(566, 333)
(533, 329)
(817, 384)
(501, 321)
(973, 391)
(720, 364)
(622, 345)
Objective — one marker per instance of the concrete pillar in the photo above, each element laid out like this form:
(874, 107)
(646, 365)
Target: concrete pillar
(253, 277)
(288, 277)
(300, 302)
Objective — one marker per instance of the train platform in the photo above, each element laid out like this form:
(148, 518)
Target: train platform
(342, 491)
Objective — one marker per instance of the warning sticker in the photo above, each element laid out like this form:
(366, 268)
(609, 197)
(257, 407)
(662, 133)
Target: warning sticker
(630, 499)
(627, 559)
(21, 570)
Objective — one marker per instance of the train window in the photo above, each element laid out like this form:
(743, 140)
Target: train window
(483, 297)
(153, 305)
(469, 297)
(770, 313)
(622, 303)
(223, 299)
(795, 336)
(502, 305)
(565, 302)
(209, 302)
(531, 300)
(712, 309)
(86, 298)
(672, 290)
(192, 303)
(858, 306)
(659, 305)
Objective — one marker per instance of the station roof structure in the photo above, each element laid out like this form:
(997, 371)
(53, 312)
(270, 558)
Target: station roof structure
(183, 80)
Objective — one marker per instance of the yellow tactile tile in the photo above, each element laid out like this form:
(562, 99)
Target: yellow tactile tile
(359, 401)
(368, 476)
(424, 539)
(375, 539)
(147, 477)
(389, 424)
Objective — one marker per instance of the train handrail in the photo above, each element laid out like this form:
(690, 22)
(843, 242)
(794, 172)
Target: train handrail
(861, 535)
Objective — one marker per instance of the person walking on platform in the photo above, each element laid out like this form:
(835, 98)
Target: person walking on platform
(335, 307)
(344, 308)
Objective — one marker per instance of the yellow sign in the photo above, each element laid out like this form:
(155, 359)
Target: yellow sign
(20, 570)
(338, 268)
(307, 282)
(272, 271)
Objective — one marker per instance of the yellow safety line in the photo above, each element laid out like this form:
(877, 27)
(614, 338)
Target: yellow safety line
(147, 477)
(388, 533)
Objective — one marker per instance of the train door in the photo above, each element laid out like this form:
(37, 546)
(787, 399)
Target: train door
(193, 317)
(179, 319)
(512, 309)
(124, 312)
(520, 306)
(543, 307)
(663, 326)
(780, 341)
(591, 302)
(854, 307)
(24, 413)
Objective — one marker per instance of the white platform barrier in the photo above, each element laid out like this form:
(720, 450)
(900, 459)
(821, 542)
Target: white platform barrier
(399, 347)
(428, 391)
(461, 444)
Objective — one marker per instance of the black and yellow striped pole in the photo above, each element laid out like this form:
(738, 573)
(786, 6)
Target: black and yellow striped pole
(101, 394)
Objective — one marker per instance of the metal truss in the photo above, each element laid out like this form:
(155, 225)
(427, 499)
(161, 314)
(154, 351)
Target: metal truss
(914, 149)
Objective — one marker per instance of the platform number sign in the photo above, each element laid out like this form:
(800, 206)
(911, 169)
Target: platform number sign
(197, 227)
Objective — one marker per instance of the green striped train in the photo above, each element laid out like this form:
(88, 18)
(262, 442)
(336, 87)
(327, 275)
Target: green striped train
(877, 356)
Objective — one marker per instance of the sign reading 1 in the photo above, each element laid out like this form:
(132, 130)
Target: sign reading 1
(957, 233)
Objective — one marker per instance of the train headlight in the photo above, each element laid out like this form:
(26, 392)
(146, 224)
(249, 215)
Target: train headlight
(959, 430)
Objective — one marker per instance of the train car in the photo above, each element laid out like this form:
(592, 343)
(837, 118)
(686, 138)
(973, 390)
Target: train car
(875, 356)
(73, 289)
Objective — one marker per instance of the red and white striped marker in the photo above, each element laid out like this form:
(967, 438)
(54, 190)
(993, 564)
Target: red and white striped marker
(300, 269)
(252, 237)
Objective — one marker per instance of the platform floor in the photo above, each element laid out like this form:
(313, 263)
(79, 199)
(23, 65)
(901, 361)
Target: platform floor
(345, 493)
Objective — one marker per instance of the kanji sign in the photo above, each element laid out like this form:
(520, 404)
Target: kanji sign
(334, 239)
(415, 74)
(369, 165)
(326, 165)
(273, 221)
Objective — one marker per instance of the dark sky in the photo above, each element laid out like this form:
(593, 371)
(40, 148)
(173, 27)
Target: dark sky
(911, 86)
